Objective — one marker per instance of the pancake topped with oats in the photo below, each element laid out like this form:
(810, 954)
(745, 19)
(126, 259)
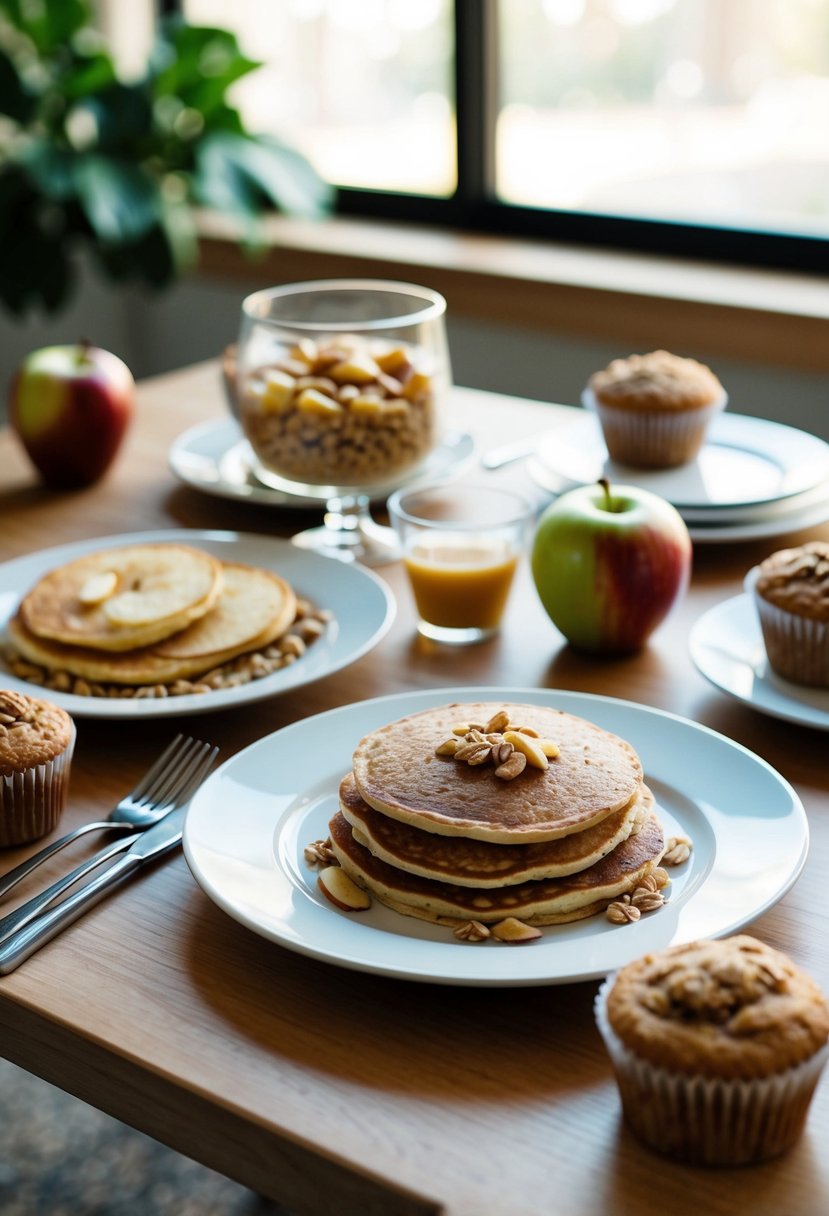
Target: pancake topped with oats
(439, 771)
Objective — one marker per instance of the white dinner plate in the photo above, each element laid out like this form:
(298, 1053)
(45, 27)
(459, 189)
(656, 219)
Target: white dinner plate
(216, 458)
(248, 825)
(726, 646)
(805, 510)
(362, 605)
(745, 462)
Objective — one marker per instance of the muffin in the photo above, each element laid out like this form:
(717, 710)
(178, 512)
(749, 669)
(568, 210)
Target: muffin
(655, 409)
(717, 1047)
(791, 594)
(36, 744)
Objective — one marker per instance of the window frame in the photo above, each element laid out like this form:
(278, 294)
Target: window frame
(474, 207)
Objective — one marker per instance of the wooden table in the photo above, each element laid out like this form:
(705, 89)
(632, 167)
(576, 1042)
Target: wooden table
(334, 1091)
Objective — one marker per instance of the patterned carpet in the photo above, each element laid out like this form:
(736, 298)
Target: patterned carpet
(60, 1157)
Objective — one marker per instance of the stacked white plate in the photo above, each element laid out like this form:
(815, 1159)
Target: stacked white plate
(753, 478)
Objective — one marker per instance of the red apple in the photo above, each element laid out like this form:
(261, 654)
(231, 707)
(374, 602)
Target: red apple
(609, 564)
(71, 405)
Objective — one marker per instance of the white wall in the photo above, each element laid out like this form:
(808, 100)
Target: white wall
(196, 318)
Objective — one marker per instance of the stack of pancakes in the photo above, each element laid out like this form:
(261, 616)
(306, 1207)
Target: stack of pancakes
(146, 614)
(444, 840)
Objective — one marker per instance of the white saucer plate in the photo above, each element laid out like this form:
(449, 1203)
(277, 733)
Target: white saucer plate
(726, 646)
(215, 457)
(805, 510)
(746, 462)
(362, 605)
(248, 825)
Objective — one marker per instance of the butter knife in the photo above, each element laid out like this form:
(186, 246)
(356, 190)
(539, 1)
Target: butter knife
(33, 907)
(153, 842)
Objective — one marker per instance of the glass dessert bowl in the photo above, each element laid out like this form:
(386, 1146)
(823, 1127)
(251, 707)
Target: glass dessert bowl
(340, 388)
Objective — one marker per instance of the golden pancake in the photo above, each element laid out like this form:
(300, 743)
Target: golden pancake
(120, 599)
(542, 902)
(398, 774)
(480, 863)
(254, 609)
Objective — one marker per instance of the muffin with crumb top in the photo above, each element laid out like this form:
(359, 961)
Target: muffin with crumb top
(655, 409)
(791, 594)
(37, 740)
(717, 1047)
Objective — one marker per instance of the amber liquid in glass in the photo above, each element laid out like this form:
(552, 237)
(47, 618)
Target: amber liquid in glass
(461, 582)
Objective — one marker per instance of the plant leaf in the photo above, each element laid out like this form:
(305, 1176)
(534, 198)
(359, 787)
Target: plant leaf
(35, 269)
(49, 24)
(120, 200)
(15, 99)
(236, 173)
(122, 115)
(51, 168)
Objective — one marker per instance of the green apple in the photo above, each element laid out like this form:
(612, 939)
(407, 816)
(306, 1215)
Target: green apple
(609, 564)
(70, 406)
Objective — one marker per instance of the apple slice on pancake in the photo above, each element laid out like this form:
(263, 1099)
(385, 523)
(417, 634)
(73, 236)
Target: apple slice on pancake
(255, 608)
(119, 599)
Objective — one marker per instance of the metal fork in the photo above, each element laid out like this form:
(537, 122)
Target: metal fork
(193, 767)
(142, 807)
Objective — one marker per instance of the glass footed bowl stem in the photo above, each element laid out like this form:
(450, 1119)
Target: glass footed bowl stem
(349, 533)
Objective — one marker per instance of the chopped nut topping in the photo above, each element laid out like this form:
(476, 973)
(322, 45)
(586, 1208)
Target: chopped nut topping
(471, 931)
(677, 850)
(512, 767)
(646, 901)
(515, 931)
(622, 911)
(14, 708)
(510, 750)
(320, 853)
(661, 877)
(309, 624)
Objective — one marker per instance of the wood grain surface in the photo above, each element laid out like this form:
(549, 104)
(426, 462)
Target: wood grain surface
(338, 1092)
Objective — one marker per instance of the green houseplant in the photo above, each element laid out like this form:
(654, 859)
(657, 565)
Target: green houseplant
(90, 161)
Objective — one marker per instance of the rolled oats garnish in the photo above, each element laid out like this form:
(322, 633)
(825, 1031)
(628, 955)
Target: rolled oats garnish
(677, 850)
(622, 911)
(471, 931)
(309, 624)
(495, 742)
(320, 853)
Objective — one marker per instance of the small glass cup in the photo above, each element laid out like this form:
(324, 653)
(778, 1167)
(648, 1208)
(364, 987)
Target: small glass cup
(461, 545)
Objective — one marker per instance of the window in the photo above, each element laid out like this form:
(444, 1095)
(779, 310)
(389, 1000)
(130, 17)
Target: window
(688, 126)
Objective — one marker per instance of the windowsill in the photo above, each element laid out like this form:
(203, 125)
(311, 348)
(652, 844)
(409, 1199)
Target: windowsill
(766, 316)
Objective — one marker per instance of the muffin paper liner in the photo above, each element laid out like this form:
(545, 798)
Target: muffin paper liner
(709, 1121)
(650, 439)
(797, 647)
(32, 801)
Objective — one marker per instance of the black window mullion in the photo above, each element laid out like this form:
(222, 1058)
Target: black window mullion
(475, 101)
